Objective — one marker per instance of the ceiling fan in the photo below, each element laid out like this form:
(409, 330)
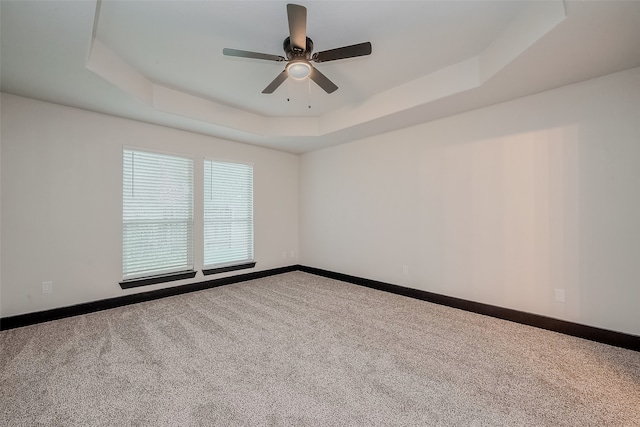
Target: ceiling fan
(298, 48)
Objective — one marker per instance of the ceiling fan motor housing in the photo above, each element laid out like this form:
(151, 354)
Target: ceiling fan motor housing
(295, 53)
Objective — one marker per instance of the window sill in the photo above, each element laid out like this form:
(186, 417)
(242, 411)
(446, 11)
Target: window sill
(152, 280)
(217, 270)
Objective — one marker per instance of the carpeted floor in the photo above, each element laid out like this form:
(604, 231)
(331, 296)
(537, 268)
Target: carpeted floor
(296, 350)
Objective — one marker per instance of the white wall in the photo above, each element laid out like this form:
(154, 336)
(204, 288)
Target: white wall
(0, 208)
(500, 205)
(61, 206)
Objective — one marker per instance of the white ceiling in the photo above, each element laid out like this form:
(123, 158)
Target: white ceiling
(161, 61)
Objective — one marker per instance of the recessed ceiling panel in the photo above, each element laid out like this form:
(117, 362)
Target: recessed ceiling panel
(179, 44)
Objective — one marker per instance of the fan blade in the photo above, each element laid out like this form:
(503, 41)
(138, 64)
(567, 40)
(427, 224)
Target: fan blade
(322, 81)
(254, 55)
(276, 82)
(297, 25)
(352, 51)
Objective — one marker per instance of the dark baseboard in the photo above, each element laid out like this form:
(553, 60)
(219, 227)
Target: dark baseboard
(618, 339)
(90, 307)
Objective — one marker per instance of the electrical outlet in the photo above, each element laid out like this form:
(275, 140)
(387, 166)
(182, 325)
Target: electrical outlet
(405, 270)
(292, 254)
(47, 287)
(559, 295)
(284, 254)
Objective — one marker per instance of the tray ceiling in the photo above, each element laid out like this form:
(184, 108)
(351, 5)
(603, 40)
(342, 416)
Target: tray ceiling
(161, 61)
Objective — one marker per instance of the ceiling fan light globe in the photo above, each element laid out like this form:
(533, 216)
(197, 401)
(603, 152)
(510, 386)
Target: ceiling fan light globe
(299, 70)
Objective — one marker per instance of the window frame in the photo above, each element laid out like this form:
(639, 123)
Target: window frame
(166, 275)
(239, 264)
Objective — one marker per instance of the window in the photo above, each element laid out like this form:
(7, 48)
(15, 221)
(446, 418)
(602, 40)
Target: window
(228, 216)
(157, 217)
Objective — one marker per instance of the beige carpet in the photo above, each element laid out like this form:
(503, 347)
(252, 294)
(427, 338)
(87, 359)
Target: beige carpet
(296, 350)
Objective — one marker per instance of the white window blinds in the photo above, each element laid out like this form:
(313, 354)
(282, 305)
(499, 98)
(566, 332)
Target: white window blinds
(228, 213)
(157, 214)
